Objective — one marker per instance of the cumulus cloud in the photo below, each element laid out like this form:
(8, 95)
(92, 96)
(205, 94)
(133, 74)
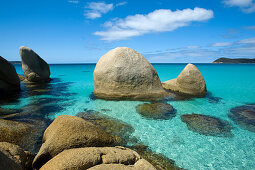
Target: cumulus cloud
(247, 6)
(96, 9)
(221, 44)
(161, 20)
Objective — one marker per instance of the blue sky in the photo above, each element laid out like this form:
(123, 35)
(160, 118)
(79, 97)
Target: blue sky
(80, 31)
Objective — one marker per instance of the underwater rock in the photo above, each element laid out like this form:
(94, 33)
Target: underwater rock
(33, 66)
(158, 160)
(110, 125)
(13, 157)
(244, 116)
(123, 73)
(84, 158)
(67, 132)
(21, 77)
(9, 80)
(156, 110)
(207, 125)
(189, 82)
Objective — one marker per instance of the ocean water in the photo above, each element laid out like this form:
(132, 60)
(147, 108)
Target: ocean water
(229, 85)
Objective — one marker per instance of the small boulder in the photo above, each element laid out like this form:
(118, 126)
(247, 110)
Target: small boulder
(189, 82)
(207, 125)
(123, 73)
(84, 158)
(9, 80)
(67, 132)
(156, 110)
(13, 157)
(244, 116)
(33, 66)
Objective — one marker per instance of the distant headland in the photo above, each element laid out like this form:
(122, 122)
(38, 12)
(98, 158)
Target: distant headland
(236, 60)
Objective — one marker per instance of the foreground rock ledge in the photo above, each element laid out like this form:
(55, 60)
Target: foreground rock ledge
(33, 66)
(123, 73)
(98, 158)
(189, 82)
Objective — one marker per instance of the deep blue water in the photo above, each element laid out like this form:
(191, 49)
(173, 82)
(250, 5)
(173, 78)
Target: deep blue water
(229, 85)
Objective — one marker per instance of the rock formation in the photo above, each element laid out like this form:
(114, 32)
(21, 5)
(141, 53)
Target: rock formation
(123, 73)
(33, 66)
(189, 82)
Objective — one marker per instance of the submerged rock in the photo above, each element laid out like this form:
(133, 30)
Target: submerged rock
(33, 66)
(12, 157)
(244, 116)
(107, 157)
(123, 73)
(207, 125)
(156, 110)
(189, 82)
(68, 132)
(9, 80)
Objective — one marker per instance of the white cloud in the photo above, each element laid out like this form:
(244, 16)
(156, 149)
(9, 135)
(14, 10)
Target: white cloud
(121, 3)
(73, 1)
(221, 44)
(247, 41)
(96, 9)
(161, 20)
(250, 27)
(193, 47)
(247, 6)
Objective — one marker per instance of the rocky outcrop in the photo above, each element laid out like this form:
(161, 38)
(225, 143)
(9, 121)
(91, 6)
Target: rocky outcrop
(9, 80)
(244, 116)
(13, 157)
(234, 60)
(98, 158)
(207, 125)
(68, 132)
(156, 110)
(123, 73)
(189, 82)
(33, 66)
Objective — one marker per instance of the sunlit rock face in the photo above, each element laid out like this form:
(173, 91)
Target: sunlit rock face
(189, 82)
(123, 73)
(33, 66)
(207, 125)
(244, 116)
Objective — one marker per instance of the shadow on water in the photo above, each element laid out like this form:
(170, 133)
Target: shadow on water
(44, 100)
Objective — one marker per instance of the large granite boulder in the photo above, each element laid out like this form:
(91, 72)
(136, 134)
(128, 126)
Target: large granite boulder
(9, 80)
(68, 132)
(33, 66)
(107, 157)
(189, 82)
(156, 110)
(12, 157)
(207, 125)
(123, 73)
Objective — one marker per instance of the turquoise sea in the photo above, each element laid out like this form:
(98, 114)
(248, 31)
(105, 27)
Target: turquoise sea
(229, 85)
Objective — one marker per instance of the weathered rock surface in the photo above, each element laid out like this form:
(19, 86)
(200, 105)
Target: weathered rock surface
(207, 125)
(108, 157)
(156, 110)
(68, 132)
(12, 157)
(9, 80)
(33, 66)
(190, 82)
(123, 73)
(244, 116)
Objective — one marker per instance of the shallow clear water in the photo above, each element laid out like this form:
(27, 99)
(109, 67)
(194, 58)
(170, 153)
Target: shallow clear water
(229, 85)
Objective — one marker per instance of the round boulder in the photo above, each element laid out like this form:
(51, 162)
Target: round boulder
(67, 132)
(207, 125)
(244, 116)
(33, 66)
(189, 82)
(156, 110)
(9, 80)
(123, 73)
